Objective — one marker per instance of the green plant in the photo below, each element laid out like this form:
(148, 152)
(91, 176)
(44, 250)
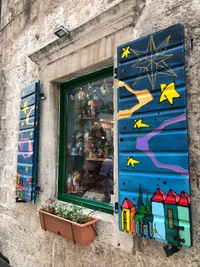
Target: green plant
(70, 212)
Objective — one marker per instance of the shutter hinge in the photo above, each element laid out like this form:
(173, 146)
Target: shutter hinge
(116, 207)
(19, 200)
(115, 74)
(38, 189)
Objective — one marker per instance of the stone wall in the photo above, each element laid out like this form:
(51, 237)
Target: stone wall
(28, 51)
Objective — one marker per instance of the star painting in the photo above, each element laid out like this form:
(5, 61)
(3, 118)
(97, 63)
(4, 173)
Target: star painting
(168, 93)
(26, 169)
(152, 62)
(139, 124)
(25, 107)
(126, 52)
(131, 162)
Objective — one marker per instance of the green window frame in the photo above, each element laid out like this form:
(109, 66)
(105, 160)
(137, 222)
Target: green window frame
(62, 196)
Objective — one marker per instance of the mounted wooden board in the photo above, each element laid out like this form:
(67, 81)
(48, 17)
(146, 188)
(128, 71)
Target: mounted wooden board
(153, 169)
(26, 180)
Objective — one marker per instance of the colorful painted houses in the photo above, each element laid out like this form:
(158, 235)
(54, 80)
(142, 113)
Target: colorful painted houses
(128, 212)
(172, 218)
(167, 219)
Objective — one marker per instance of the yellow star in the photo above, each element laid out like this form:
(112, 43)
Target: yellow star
(23, 93)
(25, 107)
(31, 134)
(168, 92)
(22, 124)
(32, 88)
(126, 52)
(138, 124)
(26, 169)
(131, 161)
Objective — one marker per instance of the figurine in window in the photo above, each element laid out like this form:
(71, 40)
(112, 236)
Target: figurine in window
(106, 175)
(88, 146)
(81, 94)
(80, 144)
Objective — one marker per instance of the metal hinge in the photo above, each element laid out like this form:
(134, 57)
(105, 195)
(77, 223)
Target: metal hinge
(115, 73)
(18, 200)
(116, 207)
(38, 189)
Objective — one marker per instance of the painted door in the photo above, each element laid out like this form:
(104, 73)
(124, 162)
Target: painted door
(153, 168)
(26, 177)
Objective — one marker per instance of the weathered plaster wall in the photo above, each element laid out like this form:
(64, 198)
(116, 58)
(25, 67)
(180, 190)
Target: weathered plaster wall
(27, 26)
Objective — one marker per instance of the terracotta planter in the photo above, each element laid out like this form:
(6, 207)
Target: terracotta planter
(80, 234)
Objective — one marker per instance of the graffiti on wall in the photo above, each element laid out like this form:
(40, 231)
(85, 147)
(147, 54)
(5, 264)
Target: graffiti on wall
(28, 143)
(154, 190)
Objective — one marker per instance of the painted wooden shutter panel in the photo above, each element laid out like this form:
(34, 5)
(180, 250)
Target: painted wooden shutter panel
(26, 180)
(154, 190)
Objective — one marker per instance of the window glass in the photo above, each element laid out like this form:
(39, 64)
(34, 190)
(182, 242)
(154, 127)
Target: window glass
(89, 139)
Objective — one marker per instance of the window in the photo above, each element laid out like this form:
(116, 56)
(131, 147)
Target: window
(86, 141)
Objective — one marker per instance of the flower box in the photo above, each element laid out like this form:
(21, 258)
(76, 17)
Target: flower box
(80, 234)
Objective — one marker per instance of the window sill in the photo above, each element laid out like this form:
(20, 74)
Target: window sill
(90, 204)
(105, 217)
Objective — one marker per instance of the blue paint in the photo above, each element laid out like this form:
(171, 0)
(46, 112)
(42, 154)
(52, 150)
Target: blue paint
(28, 143)
(128, 102)
(27, 124)
(152, 132)
(25, 169)
(180, 81)
(29, 100)
(25, 157)
(26, 134)
(30, 89)
(29, 111)
(126, 70)
(177, 37)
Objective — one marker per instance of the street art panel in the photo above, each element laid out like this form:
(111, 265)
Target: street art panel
(153, 170)
(26, 178)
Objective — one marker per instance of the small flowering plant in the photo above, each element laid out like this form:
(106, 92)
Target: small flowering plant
(70, 212)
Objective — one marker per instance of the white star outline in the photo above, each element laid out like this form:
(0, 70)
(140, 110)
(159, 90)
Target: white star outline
(149, 66)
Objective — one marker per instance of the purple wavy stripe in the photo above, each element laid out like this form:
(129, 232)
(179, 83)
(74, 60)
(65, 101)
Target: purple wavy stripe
(142, 144)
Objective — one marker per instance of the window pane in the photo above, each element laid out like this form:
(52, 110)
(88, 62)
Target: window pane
(89, 159)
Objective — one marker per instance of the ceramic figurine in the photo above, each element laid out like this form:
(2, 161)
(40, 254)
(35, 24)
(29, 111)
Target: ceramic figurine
(74, 151)
(81, 94)
(80, 147)
(69, 148)
(69, 184)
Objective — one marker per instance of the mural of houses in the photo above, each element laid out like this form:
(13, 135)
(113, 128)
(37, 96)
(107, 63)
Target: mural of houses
(23, 186)
(143, 216)
(128, 212)
(165, 217)
(172, 218)
(21, 191)
(184, 219)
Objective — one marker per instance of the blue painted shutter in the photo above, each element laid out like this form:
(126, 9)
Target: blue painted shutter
(26, 180)
(154, 190)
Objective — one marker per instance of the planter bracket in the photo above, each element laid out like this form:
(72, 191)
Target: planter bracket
(94, 230)
(73, 234)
